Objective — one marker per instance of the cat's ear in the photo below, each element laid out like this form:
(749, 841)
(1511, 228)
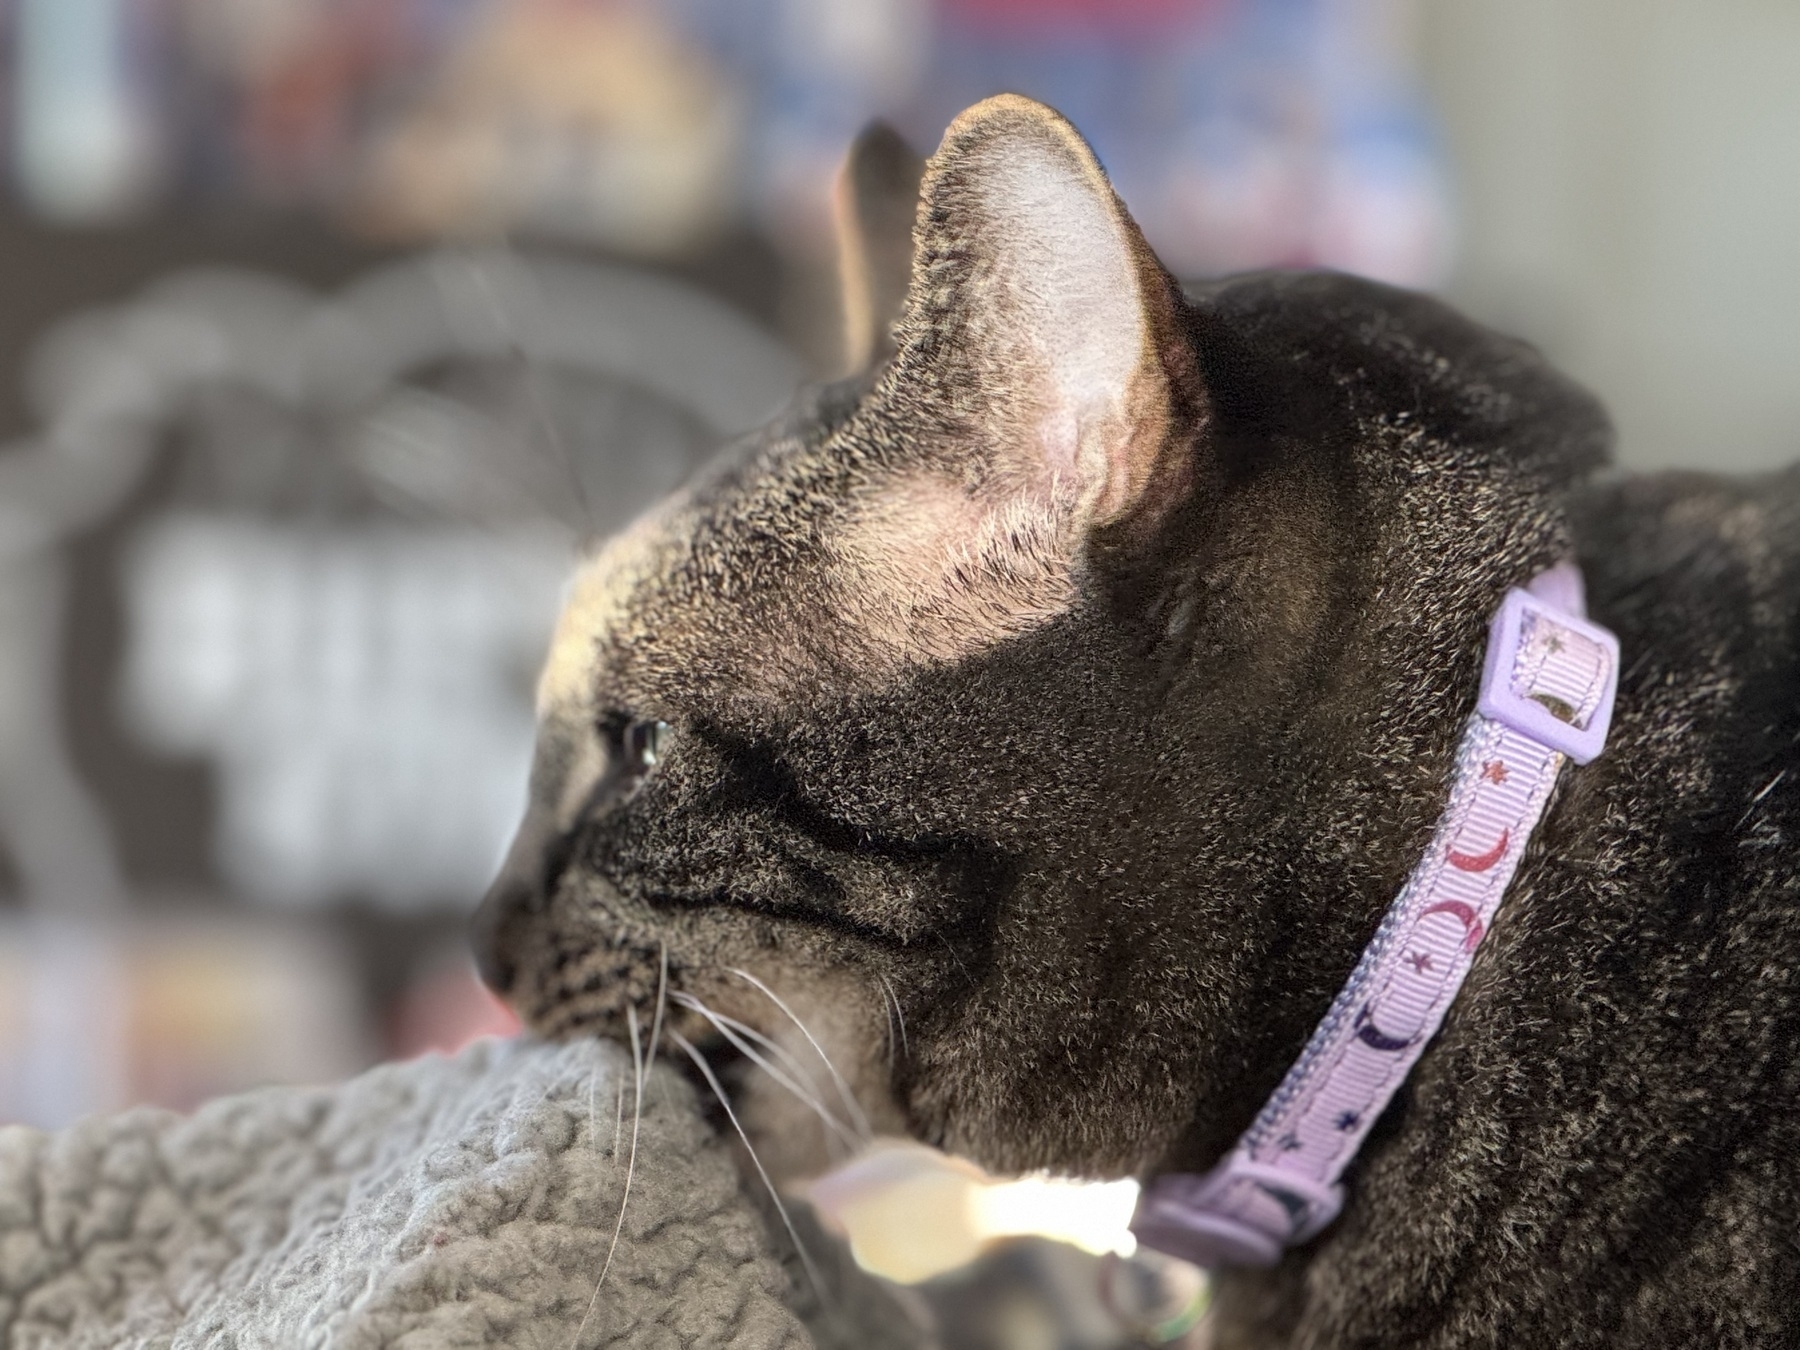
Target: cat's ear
(876, 202)
(1039, 326)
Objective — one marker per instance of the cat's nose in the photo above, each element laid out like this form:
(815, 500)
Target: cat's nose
(514, 899)
(490, 937)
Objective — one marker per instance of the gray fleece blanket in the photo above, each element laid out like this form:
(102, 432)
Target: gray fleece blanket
(442, 1202)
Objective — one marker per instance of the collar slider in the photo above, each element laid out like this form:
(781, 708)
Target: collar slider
(1550, 675)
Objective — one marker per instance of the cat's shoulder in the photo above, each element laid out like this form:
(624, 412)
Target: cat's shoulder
(1697, 552)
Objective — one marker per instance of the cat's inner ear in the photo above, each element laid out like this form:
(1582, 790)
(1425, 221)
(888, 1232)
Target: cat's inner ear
(1040, 330)
(875, 204)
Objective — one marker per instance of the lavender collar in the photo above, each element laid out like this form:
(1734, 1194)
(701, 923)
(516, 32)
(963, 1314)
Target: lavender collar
(1546, 695)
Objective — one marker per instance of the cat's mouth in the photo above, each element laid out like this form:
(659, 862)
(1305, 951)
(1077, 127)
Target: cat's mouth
(732, 990)
(783, 1075)
(790, 1117)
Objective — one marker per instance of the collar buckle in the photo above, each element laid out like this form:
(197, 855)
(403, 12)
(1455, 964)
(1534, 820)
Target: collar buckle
(1550, 675)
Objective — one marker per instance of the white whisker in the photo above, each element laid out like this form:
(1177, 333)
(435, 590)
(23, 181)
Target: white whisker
(662, 993)
(887, 1015)
(742, 1043)
(790, 1062)
(899, 1013)
(618, 1122)
(712, 1081)
(854, 1107)
(637, 1119)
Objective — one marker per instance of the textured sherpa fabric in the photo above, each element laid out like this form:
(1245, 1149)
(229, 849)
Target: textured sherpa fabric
(467, 1201)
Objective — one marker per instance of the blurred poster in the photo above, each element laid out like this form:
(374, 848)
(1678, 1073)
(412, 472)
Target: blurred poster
(364, 691)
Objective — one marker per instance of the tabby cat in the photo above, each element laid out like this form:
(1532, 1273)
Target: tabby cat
(1075, 688)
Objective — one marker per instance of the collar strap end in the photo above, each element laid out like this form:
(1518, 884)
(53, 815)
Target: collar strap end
(1242, 1213)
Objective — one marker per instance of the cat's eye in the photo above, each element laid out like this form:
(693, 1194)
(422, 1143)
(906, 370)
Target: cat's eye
(644, 744)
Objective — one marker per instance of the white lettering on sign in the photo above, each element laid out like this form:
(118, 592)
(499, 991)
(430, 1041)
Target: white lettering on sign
(364, 692)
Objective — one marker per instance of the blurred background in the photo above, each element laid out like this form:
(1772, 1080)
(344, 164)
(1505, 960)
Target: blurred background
(330, 328)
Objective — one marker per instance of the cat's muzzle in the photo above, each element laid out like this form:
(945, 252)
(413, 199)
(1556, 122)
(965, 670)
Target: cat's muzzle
(563, 963)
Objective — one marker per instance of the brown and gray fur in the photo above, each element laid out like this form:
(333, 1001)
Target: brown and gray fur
(1088, 673)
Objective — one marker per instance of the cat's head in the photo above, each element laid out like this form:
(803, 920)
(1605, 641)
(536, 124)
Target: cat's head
(1074, 688)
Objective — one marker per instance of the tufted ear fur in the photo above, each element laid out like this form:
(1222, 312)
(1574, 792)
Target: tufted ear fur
(876, 202)
(1039, 328)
